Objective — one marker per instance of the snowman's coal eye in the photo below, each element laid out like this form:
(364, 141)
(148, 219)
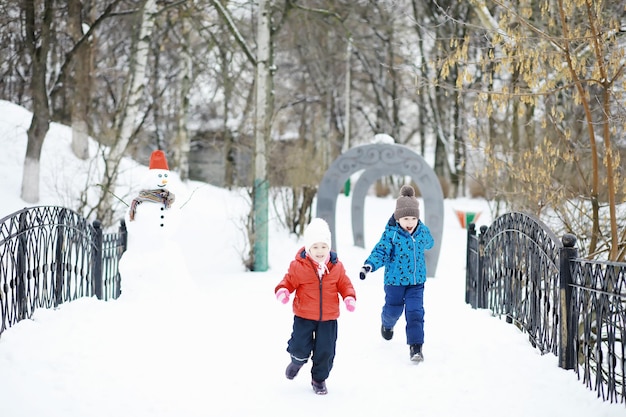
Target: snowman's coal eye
(160, 175)
(165, 175)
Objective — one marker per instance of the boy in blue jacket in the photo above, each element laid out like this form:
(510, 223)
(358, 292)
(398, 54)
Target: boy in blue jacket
(401, 251)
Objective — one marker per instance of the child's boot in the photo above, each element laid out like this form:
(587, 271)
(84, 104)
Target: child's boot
(416, 353)
(386, 333)
(292, 370)
(319, 387)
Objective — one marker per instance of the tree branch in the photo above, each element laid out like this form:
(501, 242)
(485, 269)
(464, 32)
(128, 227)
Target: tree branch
(234, 31)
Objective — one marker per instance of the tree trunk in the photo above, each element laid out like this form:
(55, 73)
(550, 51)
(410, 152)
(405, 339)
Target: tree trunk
(263, 100)
(182, 148)
(129, 114)
(80, 84)
(38, 45)
(230, 154)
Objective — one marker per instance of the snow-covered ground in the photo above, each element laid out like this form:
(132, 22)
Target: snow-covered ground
(215, 345)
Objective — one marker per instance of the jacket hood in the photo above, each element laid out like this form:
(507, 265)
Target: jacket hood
(393, 223)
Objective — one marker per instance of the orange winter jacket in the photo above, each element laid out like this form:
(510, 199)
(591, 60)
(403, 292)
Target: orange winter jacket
(315, 298)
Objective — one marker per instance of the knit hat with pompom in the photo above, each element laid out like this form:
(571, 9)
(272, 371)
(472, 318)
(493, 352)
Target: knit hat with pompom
(407, 205)
(317, 231)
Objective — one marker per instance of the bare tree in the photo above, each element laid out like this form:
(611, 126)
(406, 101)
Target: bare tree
(181, 141)
(37, 29)
(129, 116)
(262, 133)
(81, 85)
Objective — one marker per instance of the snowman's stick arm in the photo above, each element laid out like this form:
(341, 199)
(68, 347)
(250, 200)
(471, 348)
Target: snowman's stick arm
(190, 195)
(113, 194)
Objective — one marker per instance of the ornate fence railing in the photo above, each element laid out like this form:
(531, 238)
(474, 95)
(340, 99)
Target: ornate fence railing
(599, 325)
(571, 307)
(50, 255)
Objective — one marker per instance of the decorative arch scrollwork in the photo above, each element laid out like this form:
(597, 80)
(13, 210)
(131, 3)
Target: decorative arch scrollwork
(376, 161)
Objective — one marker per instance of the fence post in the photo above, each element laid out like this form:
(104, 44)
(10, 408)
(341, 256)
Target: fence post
(566, 329)
(470, 262)
(123, 232)
(481, 301)
(97, 262)
(21, 268)
(59, 277)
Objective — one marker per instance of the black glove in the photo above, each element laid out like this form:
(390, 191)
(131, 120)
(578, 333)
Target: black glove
(365, 269)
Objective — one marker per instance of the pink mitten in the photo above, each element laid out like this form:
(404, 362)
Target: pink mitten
(282, 295)
(350, 303)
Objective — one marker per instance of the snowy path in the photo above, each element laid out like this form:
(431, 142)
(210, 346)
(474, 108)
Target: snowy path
(220, 351)
(229, 359)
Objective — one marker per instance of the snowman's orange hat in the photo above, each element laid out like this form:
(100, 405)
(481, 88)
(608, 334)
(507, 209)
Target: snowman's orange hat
(158, 160)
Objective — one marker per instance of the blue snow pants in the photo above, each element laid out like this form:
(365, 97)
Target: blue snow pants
(319, 337)
(409, 299)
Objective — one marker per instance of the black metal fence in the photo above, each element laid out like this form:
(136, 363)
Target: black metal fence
(571, 307)
(50, 255)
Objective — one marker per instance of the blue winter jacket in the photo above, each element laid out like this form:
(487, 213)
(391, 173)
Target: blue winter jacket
(402, 254)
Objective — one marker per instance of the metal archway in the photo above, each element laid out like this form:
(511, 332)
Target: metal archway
(377, 160)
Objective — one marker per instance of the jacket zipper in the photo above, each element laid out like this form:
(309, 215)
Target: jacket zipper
(320, 279)
(414, 260)
(321, 292)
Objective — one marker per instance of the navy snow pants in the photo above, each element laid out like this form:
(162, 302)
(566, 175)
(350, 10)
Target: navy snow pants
(319, 337)
(409, 299)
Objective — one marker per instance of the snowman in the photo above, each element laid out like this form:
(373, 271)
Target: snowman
(153, 266)
(152, 216)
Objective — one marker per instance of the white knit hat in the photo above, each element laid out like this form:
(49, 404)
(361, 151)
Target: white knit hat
(317, 231)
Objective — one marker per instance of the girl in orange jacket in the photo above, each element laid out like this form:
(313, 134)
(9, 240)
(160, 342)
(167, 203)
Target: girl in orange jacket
(318, 279)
